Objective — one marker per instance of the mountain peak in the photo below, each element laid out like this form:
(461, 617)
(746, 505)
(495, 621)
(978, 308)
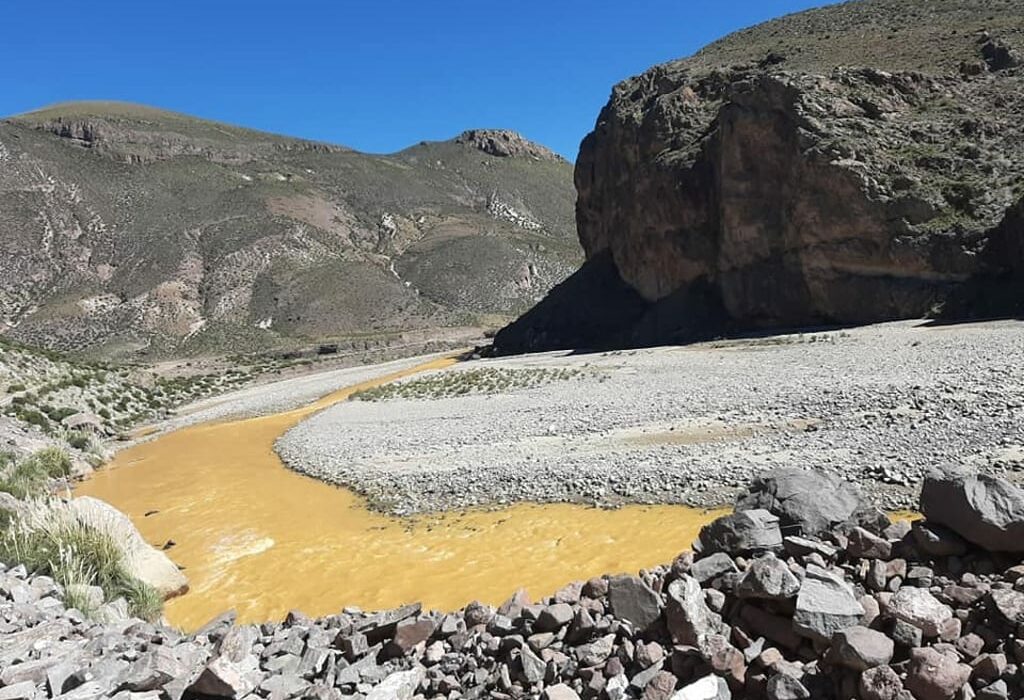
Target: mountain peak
(505, 143)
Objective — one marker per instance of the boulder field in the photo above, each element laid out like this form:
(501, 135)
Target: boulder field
(788, 597)
(847, 165)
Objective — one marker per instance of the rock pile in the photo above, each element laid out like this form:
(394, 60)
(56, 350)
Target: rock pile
(785, 599)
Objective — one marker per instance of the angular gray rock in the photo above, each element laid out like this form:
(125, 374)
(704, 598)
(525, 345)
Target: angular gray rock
(689, 618)
(985, 510)
(712, 566)
(742, 532)
(861, 648)
(707, 688)
(1009, 605)
(633, 600)
(867, 545)
(880, 683)
(401, 685)
(768, 578)
(825, 605)
(783, 686)
(806, 502)
(560, 691)
(932, 675)
(918, 607)
(554, 617)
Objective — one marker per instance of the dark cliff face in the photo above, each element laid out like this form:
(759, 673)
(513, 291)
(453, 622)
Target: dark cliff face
(776, 180)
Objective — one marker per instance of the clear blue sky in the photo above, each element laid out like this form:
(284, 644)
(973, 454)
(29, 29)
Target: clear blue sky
(377, 75)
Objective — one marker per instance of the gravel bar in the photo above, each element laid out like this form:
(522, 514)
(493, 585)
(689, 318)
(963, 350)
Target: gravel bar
(879, 405)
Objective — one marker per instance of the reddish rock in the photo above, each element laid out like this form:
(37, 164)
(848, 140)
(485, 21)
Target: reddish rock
(932, 675)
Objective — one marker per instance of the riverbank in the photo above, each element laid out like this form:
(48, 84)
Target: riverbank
(877, 405)
(263, 539)
(803, 592)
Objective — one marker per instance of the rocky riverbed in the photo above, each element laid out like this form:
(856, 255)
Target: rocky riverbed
(877, 405)
(803, 592)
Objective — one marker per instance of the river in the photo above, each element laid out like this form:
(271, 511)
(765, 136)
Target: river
(254, 536)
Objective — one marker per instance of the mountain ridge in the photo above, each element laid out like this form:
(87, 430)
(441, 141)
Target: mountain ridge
(127, 229)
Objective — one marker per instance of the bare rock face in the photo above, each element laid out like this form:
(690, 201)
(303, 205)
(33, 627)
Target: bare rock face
(505, 144)
(761, 184)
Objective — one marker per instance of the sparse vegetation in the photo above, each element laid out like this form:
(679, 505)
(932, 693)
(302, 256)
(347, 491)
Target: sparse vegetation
(30, 477)
(49, 540)
(489, 380)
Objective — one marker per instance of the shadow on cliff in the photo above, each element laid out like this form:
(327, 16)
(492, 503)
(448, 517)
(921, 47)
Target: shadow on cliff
(594, 310)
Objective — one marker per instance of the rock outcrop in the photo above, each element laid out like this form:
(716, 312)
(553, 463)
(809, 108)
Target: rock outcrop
(790, 176)
(505, 144)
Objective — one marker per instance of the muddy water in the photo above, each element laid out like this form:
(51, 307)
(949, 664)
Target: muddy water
(254, 536)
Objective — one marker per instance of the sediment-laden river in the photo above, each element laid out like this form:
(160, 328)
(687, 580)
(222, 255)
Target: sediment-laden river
(257, 537)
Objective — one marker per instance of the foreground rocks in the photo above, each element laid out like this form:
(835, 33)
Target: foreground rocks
(856, 610)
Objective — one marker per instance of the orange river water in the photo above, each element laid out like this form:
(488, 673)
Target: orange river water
(255, 536)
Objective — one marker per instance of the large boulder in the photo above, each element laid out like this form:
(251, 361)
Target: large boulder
(806, 502)
(740, 533)
(985, 510)
(144, 562)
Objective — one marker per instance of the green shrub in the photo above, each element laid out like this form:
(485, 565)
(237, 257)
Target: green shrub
(59, 414)
(79, 441)
(15, 388)
(144, 601)
(104, 413)
(34, 417)
(30, 477)
(75, 596)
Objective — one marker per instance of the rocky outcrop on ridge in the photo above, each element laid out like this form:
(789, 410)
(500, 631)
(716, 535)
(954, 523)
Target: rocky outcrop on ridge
(842, 166)
(868, 608)
(505, 144)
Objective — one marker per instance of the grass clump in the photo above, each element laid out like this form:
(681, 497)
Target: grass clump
(49, 539)
(31, 476)
(54, 461)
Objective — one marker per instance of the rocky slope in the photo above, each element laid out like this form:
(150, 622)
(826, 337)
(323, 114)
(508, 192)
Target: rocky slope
(855, 163)
(789, 598)
(126, 230)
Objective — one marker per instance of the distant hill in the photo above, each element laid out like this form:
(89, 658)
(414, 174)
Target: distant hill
(126, 229)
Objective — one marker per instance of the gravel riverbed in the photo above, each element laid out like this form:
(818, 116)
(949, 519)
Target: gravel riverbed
(878, 405)
(284, 395)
